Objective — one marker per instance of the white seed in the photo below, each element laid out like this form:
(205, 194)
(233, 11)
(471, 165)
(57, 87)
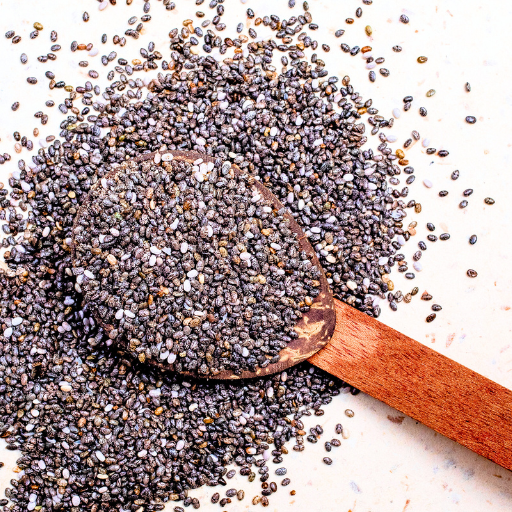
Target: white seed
(167, 157)
(99, 456)
(417, 266)
(352, 285)
(427, 183)
(425, 143)
(17, 321)
(187, 286)
(396, 113)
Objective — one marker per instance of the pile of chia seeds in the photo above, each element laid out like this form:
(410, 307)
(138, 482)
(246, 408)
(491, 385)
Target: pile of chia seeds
(185, 264)
(97, 428)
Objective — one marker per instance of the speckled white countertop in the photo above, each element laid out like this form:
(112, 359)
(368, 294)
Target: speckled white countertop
(389, 462)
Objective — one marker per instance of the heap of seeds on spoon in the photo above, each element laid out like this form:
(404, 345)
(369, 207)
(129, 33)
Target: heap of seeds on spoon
(188, 265)
(97, 428)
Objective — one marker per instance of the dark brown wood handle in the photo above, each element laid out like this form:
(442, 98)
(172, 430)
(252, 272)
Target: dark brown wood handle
(440, 393)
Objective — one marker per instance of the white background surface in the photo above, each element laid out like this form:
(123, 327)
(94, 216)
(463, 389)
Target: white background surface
(384, 465)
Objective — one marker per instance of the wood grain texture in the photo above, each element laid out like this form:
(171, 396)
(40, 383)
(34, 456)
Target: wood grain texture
(440, 393)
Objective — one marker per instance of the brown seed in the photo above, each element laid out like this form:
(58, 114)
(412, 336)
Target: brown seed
(422, 59)
(368, 30)
(471, 273)
(349, 21)
(366, 49)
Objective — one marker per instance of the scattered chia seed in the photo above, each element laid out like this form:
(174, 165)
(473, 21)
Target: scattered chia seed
(471, 119)
(137, 423)
(471, 273)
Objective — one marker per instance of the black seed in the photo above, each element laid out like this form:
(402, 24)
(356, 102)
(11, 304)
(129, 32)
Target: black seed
(444, 236)
(327, 460)
(470, 119)
(431, 317)
(471, 273)
(443, 193)
(463, 204)
(489, 200)
(404, 19)
(436, 307)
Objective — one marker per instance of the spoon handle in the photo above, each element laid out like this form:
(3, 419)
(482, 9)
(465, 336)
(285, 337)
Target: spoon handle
(423, 384)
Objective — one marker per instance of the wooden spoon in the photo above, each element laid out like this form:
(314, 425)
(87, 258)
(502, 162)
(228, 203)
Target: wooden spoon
(427, 386)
